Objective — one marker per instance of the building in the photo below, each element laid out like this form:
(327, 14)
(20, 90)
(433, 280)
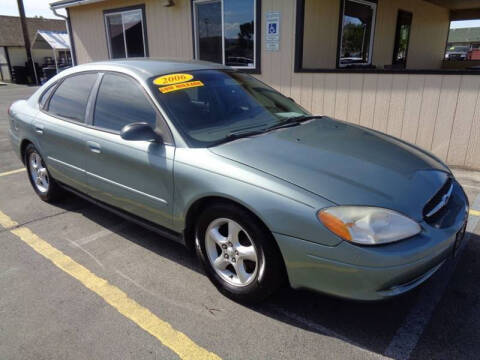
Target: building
(469, 37)
(463, 46)
(12, 45)
(378, 63)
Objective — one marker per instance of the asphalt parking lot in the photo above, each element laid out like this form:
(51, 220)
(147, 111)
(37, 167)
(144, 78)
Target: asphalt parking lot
(158, 304)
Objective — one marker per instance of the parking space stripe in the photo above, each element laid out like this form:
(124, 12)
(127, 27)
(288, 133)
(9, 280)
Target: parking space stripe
(12, 172)
(175, 340)
(407, 336)
(474, 212)
(6, 222)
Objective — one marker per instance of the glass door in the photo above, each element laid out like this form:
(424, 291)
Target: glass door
(208, 31)
(402, 37)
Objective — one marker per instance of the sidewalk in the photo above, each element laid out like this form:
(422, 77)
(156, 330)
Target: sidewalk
(470, 180)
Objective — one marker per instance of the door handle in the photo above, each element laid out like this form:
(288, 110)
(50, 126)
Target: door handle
(39, 129)
(94, 147)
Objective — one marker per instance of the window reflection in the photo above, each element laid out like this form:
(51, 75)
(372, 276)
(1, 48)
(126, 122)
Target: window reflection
(229, 40)
(126, 34)
(239, 32)
(209, 31)
(357, 31)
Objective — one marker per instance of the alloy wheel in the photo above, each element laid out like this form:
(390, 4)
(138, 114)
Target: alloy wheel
(231, 252)
(38, 172)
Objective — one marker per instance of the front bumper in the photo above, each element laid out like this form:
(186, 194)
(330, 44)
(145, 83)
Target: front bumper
(372, 272)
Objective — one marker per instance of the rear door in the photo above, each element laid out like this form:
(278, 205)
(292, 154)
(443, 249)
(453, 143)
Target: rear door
(60, 128)
(136, 176)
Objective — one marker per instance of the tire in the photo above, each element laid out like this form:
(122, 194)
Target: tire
(249, 266)
(43, 184)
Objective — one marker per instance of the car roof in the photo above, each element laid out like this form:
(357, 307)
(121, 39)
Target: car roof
(145, 68)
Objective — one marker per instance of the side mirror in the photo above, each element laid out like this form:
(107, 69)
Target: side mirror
(140, 132)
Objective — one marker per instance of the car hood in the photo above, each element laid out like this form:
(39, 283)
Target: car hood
(346, 164)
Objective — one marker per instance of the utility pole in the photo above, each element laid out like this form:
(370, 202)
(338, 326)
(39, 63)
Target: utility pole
(26, 39)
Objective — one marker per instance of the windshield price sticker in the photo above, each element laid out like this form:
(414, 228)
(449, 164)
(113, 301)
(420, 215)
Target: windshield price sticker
(182, 86)
(172, 79)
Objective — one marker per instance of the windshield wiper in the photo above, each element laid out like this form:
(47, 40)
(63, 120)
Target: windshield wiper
(293, 121)
(234, 135)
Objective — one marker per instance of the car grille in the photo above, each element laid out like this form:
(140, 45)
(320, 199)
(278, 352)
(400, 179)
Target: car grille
(437, 205)
(456, 57)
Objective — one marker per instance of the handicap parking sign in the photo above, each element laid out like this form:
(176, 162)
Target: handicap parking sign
(272, 35)
(272, 28)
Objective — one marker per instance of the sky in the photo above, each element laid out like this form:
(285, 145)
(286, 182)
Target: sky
(464, 24)
(32, 8)
(41, 8)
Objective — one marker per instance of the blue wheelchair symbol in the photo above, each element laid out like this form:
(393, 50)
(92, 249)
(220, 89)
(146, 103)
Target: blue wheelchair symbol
(272, 28)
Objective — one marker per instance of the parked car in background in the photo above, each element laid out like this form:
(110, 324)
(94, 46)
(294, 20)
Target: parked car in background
(457, 53)
(265, 192)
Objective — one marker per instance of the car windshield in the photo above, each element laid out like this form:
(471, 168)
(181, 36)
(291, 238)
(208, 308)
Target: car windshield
(208, 106)
(459, 49)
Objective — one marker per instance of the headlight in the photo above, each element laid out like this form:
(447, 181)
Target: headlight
(368, 225)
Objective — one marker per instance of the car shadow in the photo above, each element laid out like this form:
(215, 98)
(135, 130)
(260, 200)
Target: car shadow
(369, 325)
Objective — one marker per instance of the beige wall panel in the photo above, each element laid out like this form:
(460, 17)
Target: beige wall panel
(306, 92)
(287, 45)
(320, 33)
(89, 33)
(329, 94)
(384, 36)
(462, 123)
(367, 111)
(430, 26)
(355, 98)
(397, 105)
(428, 111)
(168, 29)
(318, 92)
(446, 111)
(413, 104)
(296, 92)
(382, 102)
(473, 158)
(341, 96)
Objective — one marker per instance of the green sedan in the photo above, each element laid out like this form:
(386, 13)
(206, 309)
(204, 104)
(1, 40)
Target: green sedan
(266, 193)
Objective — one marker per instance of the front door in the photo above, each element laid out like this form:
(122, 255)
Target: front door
(135, 176)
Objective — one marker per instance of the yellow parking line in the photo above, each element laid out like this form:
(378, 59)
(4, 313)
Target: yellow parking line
(12, 172)
(175, 340)
(474, 212)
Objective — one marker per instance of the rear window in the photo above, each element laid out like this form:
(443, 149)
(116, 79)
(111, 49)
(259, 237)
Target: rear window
(71, 97)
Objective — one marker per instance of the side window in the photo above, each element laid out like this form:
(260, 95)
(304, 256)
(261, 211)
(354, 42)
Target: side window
(126, 33)
(46, 94)
(121, 101)
(71, 97)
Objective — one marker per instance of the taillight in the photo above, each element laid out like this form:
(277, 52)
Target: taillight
(8, 111)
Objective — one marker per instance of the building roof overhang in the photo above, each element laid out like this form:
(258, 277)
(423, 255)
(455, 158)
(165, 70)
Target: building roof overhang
(70, 3)
(457, 4)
